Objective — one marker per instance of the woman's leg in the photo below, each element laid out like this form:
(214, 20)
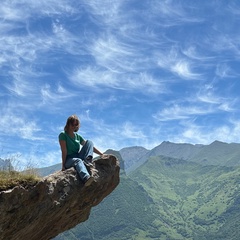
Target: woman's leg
(78, 164)
(87, 151)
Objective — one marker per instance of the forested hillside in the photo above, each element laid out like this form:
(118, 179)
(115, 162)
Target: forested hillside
(168, 198)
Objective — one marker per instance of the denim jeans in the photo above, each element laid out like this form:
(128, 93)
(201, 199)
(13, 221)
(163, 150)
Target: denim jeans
(76, 160)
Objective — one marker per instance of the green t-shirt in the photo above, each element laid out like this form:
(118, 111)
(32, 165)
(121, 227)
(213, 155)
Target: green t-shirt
(73, 144)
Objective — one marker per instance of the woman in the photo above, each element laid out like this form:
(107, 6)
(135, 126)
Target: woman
(72, 156)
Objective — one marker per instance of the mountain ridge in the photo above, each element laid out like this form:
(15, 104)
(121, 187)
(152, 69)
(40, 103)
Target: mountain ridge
(216, 153)
(130, 158)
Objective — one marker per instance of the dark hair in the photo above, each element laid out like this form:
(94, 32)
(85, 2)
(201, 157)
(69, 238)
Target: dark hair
(70, 121)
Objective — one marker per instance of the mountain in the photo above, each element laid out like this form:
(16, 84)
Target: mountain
(184, 151)
(174, 150)
(48, 170)
(192, 200)
(216, 153)
(173, 191)
(219, 153)
(167, 198)
(133, 157)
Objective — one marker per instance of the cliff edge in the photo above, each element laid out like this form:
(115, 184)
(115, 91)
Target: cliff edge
(57, 203)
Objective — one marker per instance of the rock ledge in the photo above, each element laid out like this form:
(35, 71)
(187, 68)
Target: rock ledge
(57, 203)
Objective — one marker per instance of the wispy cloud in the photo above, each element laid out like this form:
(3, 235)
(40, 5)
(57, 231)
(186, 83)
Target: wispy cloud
(93, 77)
(207, 94)
(169, 13)
(107, 12)
(18, 126)
(129, 130)
(223, 70)
(23, 10)
(174, 62)
(183, 69)
(206, 134)
(54, 95)
(195, 52)
(114, 55)
(203, 104)
(177, 112)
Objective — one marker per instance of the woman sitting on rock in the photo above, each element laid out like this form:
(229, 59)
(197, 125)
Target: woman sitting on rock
(72, 155)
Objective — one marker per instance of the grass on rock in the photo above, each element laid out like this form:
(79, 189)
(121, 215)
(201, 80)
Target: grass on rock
(11, 179)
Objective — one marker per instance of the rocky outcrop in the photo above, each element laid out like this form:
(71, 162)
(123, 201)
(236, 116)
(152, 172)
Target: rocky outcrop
(57, 203)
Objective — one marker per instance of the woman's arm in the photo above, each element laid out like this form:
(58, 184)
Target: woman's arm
(63, 147)
(95, 150)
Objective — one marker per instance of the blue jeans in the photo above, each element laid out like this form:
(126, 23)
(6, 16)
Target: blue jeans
(76, 160)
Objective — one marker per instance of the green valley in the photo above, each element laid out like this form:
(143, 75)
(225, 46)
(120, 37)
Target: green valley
(167, 198)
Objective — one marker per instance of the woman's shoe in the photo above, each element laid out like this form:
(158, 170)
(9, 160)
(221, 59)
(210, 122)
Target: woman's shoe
(89, 180)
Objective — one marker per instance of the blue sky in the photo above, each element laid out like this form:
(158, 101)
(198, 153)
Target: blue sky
(135, 72)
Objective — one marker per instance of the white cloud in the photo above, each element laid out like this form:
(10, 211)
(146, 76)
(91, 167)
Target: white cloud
(193, 133)
(183, 69)
(207, 95)
(172, 61)
(114, 55)
(22, 10)
(106, 12)
(223, 43)
(177, 112)
(129, 130)
(226, 107)
(171, 13)
(223, 70)
(20, 127)
(194, 52)
(93, 77)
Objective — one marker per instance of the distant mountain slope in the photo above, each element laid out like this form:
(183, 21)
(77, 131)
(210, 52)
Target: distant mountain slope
(117, 217)
(168, 198)
(219, 153)
(132, 157)
(49, 170)
(216, 153)
(193, 200)
(176, 150)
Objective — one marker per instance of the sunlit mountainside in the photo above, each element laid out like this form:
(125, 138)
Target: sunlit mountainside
(194, 196)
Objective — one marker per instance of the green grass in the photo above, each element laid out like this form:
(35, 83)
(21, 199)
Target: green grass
(11, 179)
